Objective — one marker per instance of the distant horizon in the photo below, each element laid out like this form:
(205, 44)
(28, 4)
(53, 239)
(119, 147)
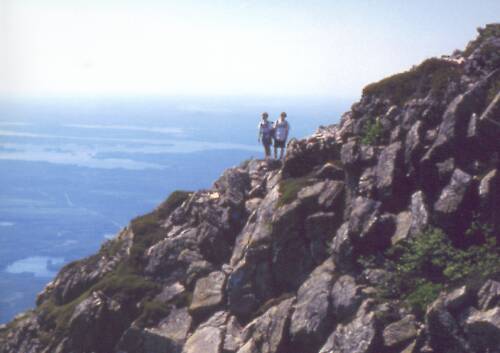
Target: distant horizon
(76, 48)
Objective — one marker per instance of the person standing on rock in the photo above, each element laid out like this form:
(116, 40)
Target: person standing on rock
(281, 130)
(266, 134)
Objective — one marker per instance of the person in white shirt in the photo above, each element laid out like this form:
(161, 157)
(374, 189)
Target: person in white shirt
(281, 130)
(266, 134)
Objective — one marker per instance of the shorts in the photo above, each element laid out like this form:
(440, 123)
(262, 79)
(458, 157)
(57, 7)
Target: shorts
(267, 141)
(280, 143)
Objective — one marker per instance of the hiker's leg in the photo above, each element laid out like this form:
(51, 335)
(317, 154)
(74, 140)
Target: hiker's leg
(281, 152)
(275, 150)
(267, 148)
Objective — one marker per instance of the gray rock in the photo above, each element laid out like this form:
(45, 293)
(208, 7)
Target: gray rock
(420, 216)
(489, 295)
(170, 292)
(452, 207)
(96, 324)
(232, 339)
(457, 299)
(330, 171)
(358, 336)
(389, 173)
(489, 196)
(332, 196)
(311, 321)
(342, 247)
(367, 183)
(403, 226)
(319, 229)
(483, 330)
(400, 332)
(268, 332)
(489, 121)
(443, 331)
(349, 154)
(168, 337)
(364, 213)
(414, 143)
(206, 339)
(345, 297)
(208, 293)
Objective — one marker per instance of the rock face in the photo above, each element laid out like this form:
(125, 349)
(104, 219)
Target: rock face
(289, 257)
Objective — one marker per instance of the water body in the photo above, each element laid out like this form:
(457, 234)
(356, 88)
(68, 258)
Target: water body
(74, 172)
(39, 266)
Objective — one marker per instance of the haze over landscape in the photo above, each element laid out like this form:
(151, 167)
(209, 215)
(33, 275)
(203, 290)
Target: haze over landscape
(108, 106)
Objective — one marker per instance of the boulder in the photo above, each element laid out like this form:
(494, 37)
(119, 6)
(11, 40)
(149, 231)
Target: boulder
(483, 330)
(489, 197)
(403, 226)
(367, 183)
(170, 293)
(489, 295)
(414, 145)
(349, 154)
(358, 336)
(345, 297)
(311, 320)
(319, 229)
(96, 324)
(167, 337)
(206, 339)
(390, 177)
(453, 208)
(400, 332)
(232, 338)
(208, 293)
(330, 171)
(443, 331)
(332, 196)
(342, 247)
(268, 333)
(489, 123)
(420, 215)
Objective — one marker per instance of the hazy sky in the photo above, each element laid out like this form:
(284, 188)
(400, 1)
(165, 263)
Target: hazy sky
(147, 47)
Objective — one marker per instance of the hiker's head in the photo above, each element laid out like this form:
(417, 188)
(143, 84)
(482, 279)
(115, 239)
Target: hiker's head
(283, 116)
(265, 116)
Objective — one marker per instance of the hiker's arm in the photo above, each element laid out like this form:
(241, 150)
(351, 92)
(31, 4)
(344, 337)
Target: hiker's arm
(260, 133)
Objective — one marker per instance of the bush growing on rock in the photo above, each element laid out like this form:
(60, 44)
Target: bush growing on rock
(429, 263)
(372, 133)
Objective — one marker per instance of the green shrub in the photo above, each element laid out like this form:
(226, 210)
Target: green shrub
(429, 263)
(289, 188)
(372, 133)
(147, 229)
(432, 74)
(172, 202)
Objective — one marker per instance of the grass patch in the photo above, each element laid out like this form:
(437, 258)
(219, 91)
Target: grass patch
(372, 133)
(432, 74)
(424, 266)
(147, 230)
(289, 188)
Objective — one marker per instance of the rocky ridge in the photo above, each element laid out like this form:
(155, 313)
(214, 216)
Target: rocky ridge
(296, 257)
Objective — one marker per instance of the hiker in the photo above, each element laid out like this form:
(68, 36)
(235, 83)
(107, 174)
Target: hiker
(266, 134)
(281, 129)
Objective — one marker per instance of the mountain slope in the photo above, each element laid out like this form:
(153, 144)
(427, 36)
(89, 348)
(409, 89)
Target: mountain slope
(375, 235)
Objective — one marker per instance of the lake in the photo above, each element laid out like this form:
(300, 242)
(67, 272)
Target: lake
(75, 171)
